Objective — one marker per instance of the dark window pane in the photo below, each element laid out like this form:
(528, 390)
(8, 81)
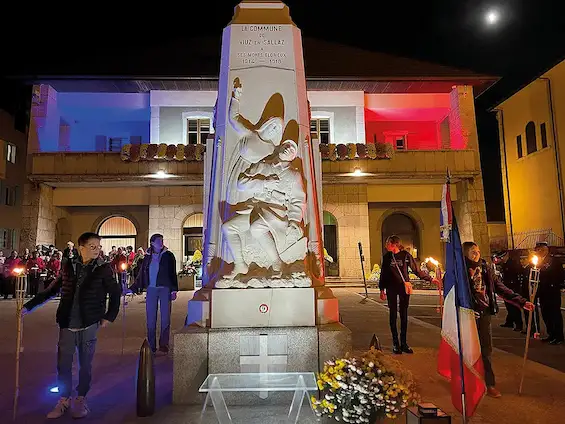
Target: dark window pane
(543, 132)
(192, 138)
(531, 143)
(519, 146)
(324, 138)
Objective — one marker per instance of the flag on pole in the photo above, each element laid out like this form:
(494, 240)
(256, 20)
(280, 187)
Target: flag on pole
(459, 358)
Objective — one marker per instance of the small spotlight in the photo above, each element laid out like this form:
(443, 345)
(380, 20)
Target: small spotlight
(357, 172)
(161, 174)
(54, 389)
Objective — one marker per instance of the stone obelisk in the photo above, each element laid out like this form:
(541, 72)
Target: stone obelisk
(263, 218)
(264, 307)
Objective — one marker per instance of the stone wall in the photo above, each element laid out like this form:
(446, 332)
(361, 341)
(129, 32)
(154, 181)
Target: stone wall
(470, 207)
(471, 214)
(39, 216)
(169, 208)
(348, 203)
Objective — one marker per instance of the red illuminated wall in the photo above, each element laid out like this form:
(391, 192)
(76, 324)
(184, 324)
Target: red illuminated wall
(421, 135)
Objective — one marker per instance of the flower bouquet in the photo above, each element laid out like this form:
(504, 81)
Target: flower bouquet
(365, 388)
(187, 269)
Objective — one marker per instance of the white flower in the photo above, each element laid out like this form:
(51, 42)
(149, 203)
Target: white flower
(371, 365)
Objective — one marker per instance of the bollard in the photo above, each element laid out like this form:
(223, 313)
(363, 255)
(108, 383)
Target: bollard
(145, 382)
(375, 343)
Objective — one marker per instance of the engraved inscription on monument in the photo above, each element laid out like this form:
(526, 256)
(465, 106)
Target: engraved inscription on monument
(262, 45)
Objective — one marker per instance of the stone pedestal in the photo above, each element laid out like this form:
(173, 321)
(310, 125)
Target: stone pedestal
(202, 351)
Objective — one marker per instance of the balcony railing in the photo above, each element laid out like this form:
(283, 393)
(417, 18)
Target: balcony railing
(108, 166)
(76, 167)
(408, 164)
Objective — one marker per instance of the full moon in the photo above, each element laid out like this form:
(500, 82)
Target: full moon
(492, 17)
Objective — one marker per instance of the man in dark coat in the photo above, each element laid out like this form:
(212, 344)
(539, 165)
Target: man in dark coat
(549, 291)
(85, 282)
(159, 275)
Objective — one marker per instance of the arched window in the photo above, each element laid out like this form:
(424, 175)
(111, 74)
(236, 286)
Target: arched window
(117, 231)
(531, 143)
(404, 227)
(331, 244)
(192, 235)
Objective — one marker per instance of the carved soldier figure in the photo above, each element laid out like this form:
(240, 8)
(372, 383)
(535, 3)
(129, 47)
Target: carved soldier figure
(279, 197)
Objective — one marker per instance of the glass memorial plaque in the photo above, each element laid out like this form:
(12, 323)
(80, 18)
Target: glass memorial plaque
(216, 384)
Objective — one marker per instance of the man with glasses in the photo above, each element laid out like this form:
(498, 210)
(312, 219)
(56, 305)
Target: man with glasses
(86, 282)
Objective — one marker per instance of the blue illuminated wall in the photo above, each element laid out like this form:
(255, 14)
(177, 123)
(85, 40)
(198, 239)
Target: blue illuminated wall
(84, 122)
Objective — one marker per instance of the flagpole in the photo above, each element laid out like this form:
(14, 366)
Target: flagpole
(461, 365)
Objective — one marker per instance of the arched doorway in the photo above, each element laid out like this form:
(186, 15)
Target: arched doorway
(331, 244)
(192, 235)
(405, 227)
(117, 231)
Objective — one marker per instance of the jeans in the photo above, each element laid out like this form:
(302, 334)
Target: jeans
(158, 297)
(83, 341)
(398, 303)
(485, 339)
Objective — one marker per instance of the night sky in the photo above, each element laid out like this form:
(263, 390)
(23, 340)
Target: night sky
(528, 39)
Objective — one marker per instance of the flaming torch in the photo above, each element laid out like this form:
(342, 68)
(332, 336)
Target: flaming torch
(533, 287)
(435, 263)
(20, 292)
(124, 279)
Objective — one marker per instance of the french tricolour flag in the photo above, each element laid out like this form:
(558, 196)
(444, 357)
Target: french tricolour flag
(459, 358)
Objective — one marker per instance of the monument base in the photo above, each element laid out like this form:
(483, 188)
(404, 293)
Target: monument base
(264, 307)
(202, 351)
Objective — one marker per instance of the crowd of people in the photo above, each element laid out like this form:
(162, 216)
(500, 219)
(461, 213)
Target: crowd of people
(43, 264)
(512, 284)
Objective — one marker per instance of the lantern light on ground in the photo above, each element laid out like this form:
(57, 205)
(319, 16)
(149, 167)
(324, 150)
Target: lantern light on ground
(357, 172)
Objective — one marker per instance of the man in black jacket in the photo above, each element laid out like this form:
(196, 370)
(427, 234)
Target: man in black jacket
(159, 275)
(393, 282)
(549, 291)
(85, 282)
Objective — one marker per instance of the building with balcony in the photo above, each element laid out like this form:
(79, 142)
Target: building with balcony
(389, 130)
(532, 144)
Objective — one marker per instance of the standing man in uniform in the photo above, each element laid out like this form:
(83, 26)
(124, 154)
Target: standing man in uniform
(394, 286)
(551, 279)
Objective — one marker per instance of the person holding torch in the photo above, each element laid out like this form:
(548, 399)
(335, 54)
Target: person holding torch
(484, 284)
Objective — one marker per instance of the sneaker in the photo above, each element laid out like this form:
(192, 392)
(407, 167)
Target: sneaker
(493, 392)
(396, 350)
(80, 408)
(60, 409)
(556, 342)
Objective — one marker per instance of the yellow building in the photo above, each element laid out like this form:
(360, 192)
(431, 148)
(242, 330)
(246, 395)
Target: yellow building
(387, 141)
(532, 139)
